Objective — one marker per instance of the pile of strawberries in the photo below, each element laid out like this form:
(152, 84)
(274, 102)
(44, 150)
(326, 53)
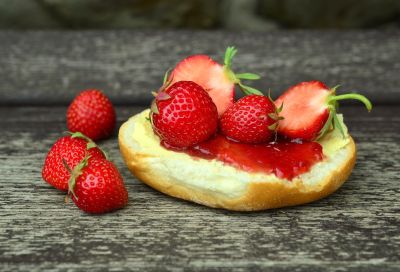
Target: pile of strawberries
(75, 163)
(197, 99)
(194, 103)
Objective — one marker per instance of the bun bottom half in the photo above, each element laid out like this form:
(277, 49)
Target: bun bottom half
(214, 184)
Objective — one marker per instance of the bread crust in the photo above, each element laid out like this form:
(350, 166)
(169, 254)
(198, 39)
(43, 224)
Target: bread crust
(258, 195)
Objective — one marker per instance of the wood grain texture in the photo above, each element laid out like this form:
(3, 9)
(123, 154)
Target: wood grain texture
(355, 229)
(51, 67)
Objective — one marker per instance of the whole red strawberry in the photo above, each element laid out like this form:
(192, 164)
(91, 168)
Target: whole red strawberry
(184, 114)
(309, 110)
(97, 186)
(93, 114)
(69, 150)
(252, 119)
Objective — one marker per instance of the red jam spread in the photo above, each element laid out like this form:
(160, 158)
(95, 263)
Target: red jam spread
(284, 158)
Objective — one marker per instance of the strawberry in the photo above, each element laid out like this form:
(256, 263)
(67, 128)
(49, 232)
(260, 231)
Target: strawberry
(97, 187)
(309, 110)
(69, 150)
(252, 119)
(93, 114)
(183, 114)
(218, 80)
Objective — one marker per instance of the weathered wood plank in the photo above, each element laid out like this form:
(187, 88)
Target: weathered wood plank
(356, 229)
(51, 67)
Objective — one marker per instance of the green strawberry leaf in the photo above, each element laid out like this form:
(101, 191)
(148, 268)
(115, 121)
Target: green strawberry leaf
(248, 76)
(75, 173)
(154, 108)
(166, 76)
(229, 54)
(327, 124)
(338, 124)
(247, 90)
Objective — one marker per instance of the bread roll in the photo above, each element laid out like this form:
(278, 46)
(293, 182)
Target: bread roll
(218, 185)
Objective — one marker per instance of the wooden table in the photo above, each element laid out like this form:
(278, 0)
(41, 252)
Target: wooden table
(355, 229)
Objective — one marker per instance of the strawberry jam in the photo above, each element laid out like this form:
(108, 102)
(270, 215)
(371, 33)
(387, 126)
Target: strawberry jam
(284, 158)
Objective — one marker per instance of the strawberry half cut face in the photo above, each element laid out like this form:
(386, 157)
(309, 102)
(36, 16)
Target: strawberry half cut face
(304, 110)
(309, 110)
(208, 74)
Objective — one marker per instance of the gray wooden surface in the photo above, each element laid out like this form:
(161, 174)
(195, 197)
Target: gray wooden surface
(51, 67)
(355, 229)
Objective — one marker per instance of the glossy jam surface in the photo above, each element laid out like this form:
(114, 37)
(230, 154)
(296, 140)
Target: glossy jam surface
(285, 159)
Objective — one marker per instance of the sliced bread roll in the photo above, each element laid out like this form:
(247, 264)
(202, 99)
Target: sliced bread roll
(215, 184)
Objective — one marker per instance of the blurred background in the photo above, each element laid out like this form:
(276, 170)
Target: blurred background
(253, 15)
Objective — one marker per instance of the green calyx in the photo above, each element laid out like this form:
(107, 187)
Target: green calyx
(275, 116)
(237, 78)
(167, 79)
(332, 102)
(75, 173)
(160, 94)
(90, 142)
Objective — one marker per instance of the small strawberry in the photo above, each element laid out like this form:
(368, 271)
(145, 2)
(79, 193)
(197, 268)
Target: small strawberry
(309, 110)
(93, 114)
(252, 119)
(183, 114)
(218, 80)
(68, 150)
(97, 187)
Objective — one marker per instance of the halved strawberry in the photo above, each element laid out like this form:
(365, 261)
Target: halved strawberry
(218, 80)
(309, 110)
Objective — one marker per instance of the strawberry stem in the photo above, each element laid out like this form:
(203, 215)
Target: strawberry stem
(355, 96)
(236, 78)
(333, 120)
